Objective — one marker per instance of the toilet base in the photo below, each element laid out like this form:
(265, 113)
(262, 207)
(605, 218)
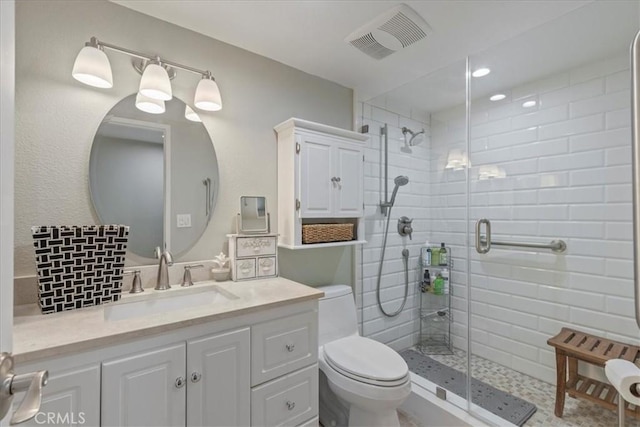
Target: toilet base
(362, 417)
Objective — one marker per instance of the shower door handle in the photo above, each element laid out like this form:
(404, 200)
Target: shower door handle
(635, 162)
(483, 245)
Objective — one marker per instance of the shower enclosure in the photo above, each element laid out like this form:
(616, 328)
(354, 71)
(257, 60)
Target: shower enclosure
(540, 149)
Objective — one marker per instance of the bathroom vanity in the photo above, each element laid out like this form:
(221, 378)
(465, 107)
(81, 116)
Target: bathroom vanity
(215, 354)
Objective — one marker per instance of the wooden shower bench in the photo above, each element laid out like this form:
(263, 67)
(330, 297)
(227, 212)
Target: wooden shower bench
(573, 346)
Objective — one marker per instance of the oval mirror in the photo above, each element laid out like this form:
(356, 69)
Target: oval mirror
(156, 173)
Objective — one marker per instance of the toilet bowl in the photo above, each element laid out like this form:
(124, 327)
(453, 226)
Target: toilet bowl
(365, 378)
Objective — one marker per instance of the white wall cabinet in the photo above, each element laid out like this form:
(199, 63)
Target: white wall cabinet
(320, 179)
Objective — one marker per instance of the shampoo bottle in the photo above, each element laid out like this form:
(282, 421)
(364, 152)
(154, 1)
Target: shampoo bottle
(444, 256)
(445, 276)
(426, 282)
(438, 285)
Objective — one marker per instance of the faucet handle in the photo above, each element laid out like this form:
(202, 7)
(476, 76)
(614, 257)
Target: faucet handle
(136, 286)
(186, 278)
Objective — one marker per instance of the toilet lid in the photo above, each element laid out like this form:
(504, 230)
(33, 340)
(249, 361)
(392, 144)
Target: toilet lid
(366, 359)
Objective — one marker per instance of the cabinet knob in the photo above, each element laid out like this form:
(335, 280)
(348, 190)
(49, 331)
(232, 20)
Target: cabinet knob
(338, 179)
(290, 405)
(290, 347)
(180, 382)
(333, 179)
(195, 376)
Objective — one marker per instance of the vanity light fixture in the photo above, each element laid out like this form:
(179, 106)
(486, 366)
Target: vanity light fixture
(149, 105)
(457, 160)
(189, 114)
(155, 82)
(92, 67)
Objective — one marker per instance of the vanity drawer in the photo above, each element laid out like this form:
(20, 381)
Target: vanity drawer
(283, 345)
(290, 400)
(256, 246)
(266, 266)
(245, 268)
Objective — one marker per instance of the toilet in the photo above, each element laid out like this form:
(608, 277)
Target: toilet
(362, 381)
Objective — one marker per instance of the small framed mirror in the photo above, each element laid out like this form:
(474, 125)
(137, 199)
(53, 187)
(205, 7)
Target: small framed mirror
(254, 217)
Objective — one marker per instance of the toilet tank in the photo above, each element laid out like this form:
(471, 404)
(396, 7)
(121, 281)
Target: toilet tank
(336, 313)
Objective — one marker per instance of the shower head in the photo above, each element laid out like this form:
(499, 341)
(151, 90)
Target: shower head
(416, 137)
(400, 180)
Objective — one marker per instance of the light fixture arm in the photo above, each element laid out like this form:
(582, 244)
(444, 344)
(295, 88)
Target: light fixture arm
(102, 45)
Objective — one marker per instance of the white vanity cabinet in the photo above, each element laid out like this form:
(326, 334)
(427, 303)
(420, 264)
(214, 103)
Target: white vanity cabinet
(258, 368)
(218, 389)
(203, 382)
(145, 389)
(320, 179)
(71, 397)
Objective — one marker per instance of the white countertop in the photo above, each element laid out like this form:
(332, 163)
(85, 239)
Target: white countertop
(37, 335)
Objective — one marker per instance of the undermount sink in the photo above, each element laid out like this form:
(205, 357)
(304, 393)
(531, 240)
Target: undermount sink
(156, 302)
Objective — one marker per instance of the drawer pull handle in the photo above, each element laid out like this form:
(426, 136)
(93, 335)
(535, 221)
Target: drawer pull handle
(290, 347)
(291, 405)
(195, 376)
(180, 382)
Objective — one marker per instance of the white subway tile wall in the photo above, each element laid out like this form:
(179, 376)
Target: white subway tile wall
(568, 173)
(412, 201)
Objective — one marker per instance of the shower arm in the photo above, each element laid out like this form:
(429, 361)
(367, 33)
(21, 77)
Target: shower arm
(635, 161)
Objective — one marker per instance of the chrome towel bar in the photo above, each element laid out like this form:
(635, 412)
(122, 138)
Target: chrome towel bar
(484, 243)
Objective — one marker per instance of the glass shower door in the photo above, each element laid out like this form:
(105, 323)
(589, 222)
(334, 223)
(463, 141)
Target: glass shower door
(549, 188)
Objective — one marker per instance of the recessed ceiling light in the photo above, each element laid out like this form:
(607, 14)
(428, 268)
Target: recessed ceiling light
(481, 72)
(529, 104)
(498, 97)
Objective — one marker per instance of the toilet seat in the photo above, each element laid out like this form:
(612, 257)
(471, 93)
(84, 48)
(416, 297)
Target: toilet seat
(366, 361)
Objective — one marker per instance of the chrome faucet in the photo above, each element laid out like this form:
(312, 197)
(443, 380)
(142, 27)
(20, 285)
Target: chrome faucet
(165, 261)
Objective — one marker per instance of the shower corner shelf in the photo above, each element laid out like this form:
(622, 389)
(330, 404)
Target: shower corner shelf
(435, 314)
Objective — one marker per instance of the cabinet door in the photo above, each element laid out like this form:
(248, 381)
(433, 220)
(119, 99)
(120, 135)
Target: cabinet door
(143, 389)
(218, 368)
(70, 398)
(316, 185)
(349, 195)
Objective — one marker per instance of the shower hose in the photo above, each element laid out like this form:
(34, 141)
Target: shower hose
(405, 257)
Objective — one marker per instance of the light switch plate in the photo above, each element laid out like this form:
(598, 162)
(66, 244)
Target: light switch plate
(184, 220)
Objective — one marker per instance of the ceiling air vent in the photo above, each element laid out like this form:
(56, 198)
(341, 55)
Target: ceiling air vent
(393, 30)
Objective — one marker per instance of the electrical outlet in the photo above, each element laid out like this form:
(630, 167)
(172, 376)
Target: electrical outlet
(184, 220)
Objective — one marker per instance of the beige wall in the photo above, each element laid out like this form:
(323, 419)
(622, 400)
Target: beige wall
(56, 118)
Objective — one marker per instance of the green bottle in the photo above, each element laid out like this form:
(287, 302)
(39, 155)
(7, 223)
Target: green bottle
(438, 285)
(444, 258)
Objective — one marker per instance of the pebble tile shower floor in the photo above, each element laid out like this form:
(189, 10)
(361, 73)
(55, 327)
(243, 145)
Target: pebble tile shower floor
(577, 413)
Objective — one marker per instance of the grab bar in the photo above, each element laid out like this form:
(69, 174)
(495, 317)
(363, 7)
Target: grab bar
(483, 244)
(635, 156)
(207, 206)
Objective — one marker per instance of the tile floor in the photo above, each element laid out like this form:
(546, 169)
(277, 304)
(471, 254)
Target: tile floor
(577, 413)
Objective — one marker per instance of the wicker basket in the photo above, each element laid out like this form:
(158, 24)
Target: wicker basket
(323, 233)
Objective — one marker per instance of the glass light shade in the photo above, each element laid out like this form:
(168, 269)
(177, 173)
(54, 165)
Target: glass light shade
(155, 83)
(457, 160)
(149, 105)
(92, 68)
(189, 114)
(208, 95)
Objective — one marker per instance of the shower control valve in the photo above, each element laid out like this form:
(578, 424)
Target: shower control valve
(404, 226)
